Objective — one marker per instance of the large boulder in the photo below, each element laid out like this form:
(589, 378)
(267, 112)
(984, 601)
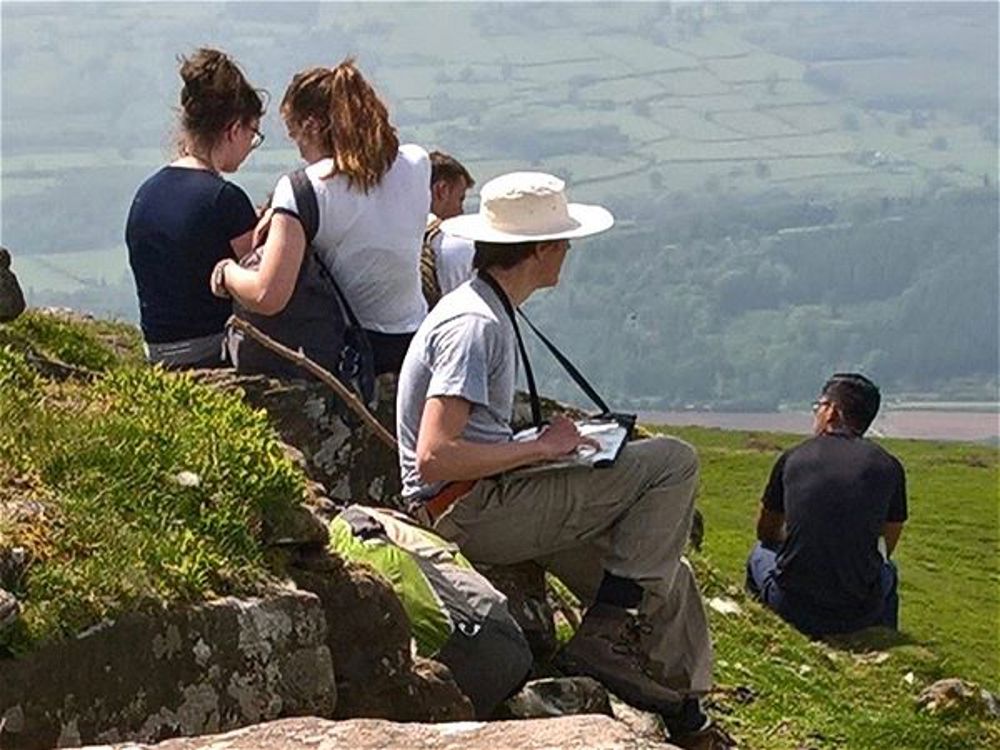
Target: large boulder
(567, 733)
(369, 638)
(527, 598)
(11, 297)
(186, 671)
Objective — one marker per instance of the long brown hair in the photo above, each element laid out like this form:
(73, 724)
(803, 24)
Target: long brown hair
(215, 94)
(354, 127)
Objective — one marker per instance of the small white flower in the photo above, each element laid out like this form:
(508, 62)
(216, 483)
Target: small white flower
(724, 606)
(188, 479)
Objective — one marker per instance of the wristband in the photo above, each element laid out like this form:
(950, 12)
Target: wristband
(219, 282)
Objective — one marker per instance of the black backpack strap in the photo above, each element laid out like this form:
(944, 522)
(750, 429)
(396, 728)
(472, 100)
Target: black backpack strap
(306, 203)
(536, 404)
(570, 368)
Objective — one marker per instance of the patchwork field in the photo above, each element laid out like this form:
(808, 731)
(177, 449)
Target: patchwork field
(684, 86)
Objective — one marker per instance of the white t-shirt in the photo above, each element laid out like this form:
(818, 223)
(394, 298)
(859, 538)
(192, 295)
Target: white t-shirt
(452, 259)
(371, 242)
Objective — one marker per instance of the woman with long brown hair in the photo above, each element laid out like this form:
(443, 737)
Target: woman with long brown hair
(186, 218)
(372, 195)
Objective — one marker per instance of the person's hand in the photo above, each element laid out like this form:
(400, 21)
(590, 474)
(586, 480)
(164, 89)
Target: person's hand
(263, 225)
(561, 437)
(218, 278)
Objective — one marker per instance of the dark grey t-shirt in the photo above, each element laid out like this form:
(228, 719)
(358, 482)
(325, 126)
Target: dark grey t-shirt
(836, 493)
(466, 348)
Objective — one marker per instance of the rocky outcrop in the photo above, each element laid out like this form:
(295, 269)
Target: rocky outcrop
(569, 733)
(352, 465)
(347, 464)
(11, 296)
(154, 675)
(955, 696)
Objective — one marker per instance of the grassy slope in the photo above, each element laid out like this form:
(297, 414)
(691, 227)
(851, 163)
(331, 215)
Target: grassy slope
(155, 489)
(812, 694)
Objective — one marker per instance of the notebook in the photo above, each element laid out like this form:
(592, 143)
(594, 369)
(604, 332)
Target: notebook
(611, 435)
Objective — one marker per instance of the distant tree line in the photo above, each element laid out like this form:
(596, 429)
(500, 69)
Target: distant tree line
(704, 305)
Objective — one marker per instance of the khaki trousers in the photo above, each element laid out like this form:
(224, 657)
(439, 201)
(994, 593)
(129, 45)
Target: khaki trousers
(632, 519)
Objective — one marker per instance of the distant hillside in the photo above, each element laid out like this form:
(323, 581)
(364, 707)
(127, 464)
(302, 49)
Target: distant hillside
(798, 185)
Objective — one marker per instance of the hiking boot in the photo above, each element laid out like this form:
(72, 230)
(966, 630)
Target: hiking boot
(711, 737)
(606, 647)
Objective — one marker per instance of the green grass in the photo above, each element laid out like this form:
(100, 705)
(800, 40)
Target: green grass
(155, 489)
(96, 345)
(805, 693)
(778, 689)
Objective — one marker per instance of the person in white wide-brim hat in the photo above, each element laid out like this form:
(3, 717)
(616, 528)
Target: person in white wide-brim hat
(528, 207)
(614, 535)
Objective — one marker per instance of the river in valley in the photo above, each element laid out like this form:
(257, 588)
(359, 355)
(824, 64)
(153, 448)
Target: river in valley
(924, 424)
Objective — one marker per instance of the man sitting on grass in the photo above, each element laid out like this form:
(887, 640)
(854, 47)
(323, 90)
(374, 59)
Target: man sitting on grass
(820, 563)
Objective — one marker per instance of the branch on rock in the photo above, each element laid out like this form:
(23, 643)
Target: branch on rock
(324, 376)
(57, 370)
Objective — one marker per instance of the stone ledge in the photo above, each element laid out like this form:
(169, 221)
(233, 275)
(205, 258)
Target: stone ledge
(567, 733)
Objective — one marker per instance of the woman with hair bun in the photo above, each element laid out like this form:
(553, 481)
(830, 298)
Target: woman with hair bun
(186, 218)
(372, 196)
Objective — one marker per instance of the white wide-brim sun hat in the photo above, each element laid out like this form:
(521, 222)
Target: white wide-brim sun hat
(528, 207)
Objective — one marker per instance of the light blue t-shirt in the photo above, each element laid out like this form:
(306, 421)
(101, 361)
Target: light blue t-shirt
(465, 347)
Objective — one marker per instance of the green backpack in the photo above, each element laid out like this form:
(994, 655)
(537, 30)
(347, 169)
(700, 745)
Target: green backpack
(456, 615)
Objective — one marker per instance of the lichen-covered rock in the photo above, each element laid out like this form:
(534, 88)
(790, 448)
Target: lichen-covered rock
(557, 696)
(567, 733)
(369, 639)
(11, 297)
(338, 452)
(953, 695)
(9, 609)
(187, 671)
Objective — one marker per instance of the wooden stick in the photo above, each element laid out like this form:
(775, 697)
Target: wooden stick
(301, 360)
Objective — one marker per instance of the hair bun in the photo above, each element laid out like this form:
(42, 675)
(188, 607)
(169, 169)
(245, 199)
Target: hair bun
(215, 92)
(208, 72)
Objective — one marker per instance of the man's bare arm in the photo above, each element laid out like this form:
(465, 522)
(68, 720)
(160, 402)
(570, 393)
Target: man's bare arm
(771, 526)
(891, 532)
(443, 456)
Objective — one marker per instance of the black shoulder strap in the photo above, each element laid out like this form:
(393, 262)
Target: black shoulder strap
(569, 367)
(536, 404)
(305, 201)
